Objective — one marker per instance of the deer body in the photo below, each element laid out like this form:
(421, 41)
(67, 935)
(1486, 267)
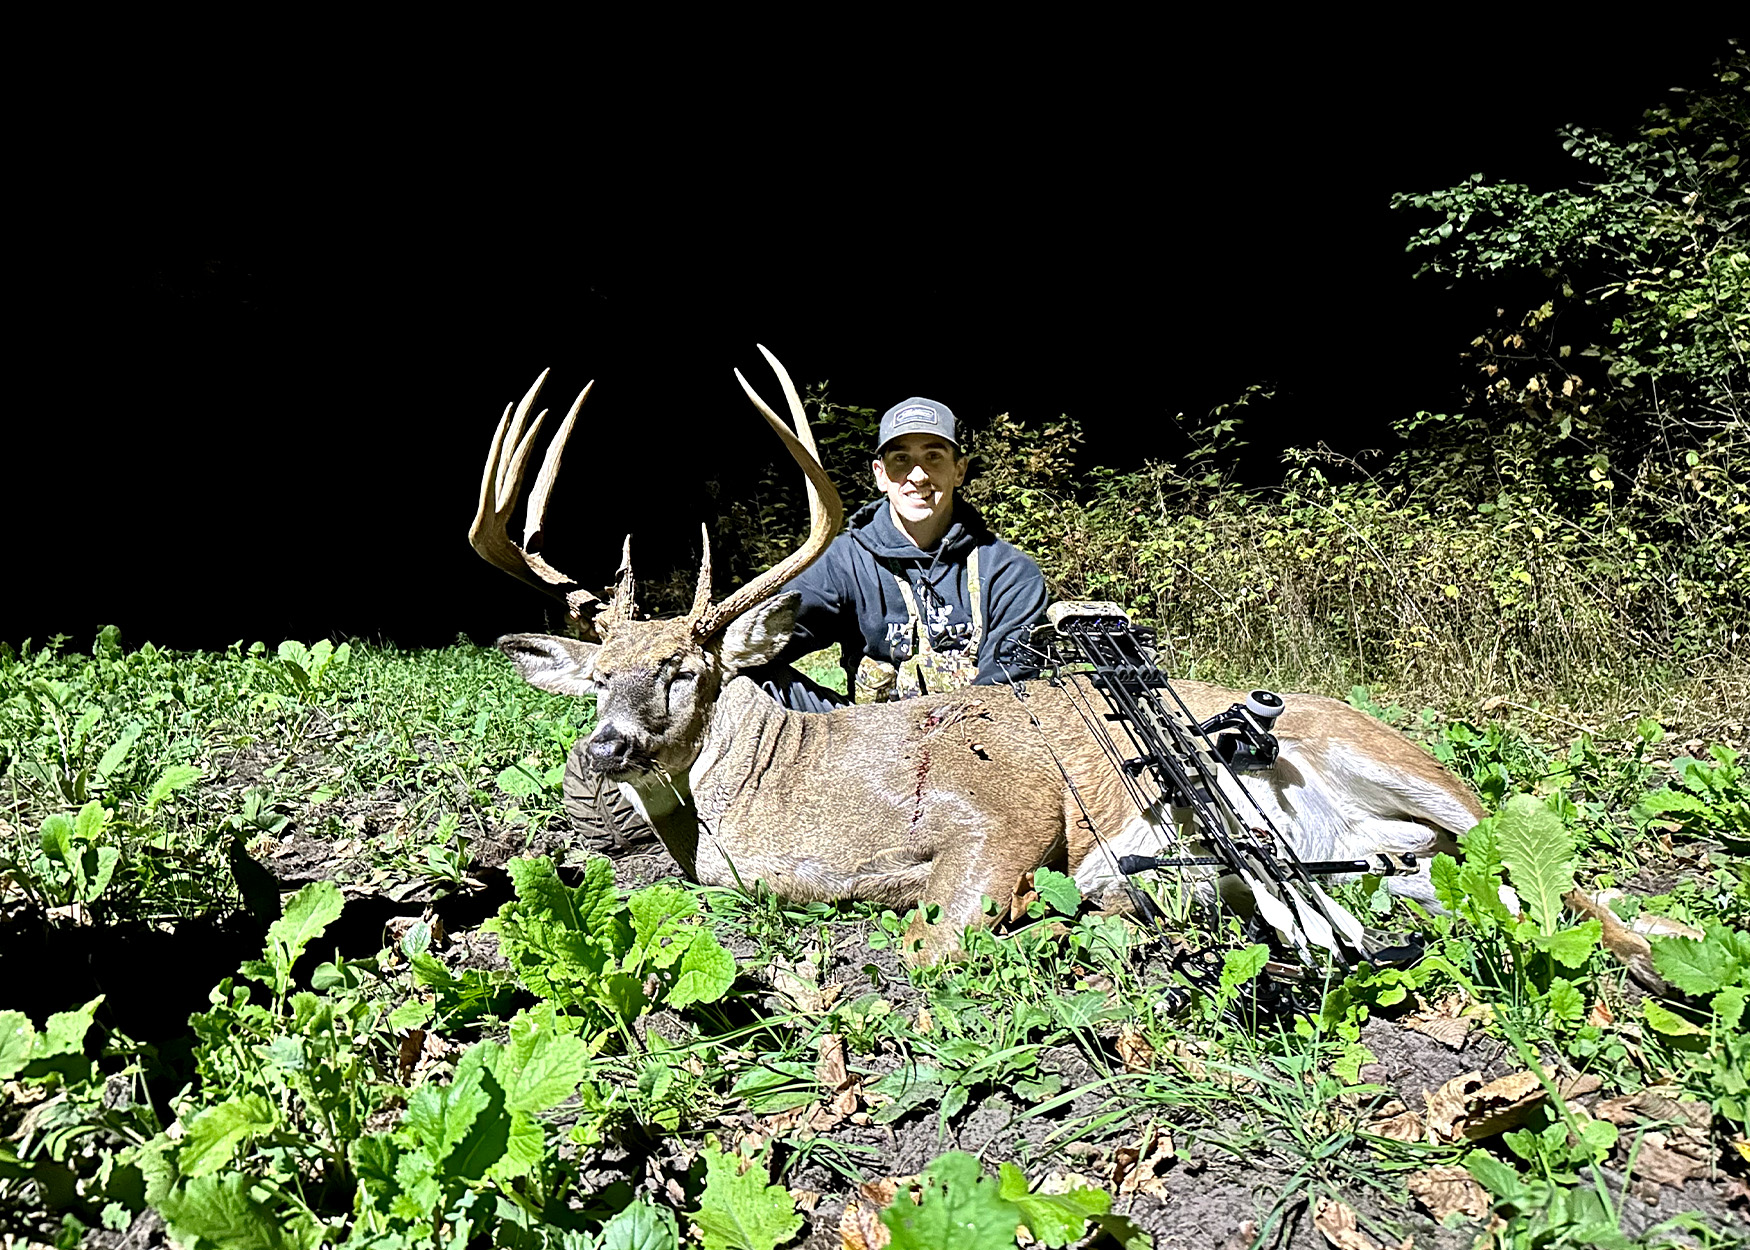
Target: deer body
(945, 799)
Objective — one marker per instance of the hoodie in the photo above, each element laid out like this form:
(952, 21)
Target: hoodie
(849, 595)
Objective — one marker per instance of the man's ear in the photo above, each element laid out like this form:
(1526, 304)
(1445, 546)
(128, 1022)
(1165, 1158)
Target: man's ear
(550, 663)
(760, 633)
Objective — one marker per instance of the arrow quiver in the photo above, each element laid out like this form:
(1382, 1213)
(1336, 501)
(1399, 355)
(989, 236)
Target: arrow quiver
(1184, 774)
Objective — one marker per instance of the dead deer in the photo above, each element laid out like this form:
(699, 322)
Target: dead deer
(941, 800)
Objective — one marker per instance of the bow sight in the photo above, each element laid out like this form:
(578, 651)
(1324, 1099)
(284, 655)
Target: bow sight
(1184, 775)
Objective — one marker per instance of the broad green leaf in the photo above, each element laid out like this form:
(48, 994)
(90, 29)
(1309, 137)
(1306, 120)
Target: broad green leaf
(1239, 967)
(1667, 1021)
(17, 1042)
(707, 972)
(539, 1067)
(1054, 1219)
(1695, 967)
(1077, 1011)
(55, 838)
(1493, 1175)
(1572, 947)
(521, 780)
(174, 778)
(64, 1032)
(214, 1134)
(89, 823)
(953, 1102)
(417, 939)
(1659, 802)
(524, 1144)
(1598, 1137)
(97, 877)
(1728, 1005)
(641, 1226)
(741, 1211)
(1125, 1232)
(119, 749)
(1443, 872)
(659, 935)
(221, 1211)
(311, 910)
(599, 908)
(411, 1014)
(374, 1158)
(487, 1139)
(1539, 853)
(286, 1052)
(1058, 890)
(440, 1116)
(1565, 1001)
(961, 1209)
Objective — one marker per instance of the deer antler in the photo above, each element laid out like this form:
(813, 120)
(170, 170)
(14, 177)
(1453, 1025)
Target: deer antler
(825, 512)
(499, 487)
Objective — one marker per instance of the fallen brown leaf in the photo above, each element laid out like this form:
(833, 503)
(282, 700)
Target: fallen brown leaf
(860, 1227)
(1403, 1125)
(1448, 1188)
(1671, 1159)
(830, 1071)
(1134, 1050)
(412, 1043)
(1448, 1021)
(1446, 1106)
(1337, 1222)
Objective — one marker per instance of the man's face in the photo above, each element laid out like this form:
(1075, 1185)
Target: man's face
(918, 474)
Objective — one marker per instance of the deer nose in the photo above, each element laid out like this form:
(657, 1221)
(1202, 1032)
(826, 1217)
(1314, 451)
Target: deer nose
(609, 750)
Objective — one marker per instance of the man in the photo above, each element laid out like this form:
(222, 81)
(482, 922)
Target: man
(918, 592)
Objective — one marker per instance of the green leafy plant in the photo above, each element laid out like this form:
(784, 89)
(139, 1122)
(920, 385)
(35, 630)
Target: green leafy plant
(1529, 955)
(73, 1159)
(77, 858)
(739, 1210)
(1711, 799)
(1714, 1056)
(588, 951)
(958, 1207)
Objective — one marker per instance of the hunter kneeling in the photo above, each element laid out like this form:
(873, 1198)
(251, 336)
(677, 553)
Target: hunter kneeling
(918, 592)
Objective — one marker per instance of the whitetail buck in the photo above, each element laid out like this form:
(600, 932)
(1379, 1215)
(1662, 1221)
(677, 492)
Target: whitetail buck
(943, 800)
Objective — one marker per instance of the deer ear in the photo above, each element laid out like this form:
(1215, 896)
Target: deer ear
(557, 665)
(760, 633)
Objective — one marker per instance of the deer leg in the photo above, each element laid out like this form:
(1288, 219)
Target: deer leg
(969, 869)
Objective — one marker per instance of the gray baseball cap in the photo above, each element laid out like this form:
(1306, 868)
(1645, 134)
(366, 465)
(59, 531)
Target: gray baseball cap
(917, 416)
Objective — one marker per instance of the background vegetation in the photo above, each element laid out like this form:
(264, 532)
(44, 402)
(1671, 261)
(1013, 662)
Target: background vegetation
(1576, 532)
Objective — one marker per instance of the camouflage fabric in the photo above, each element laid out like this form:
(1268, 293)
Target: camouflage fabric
(598, 809)
(928, 670)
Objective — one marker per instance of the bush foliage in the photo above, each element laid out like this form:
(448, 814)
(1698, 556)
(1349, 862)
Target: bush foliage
(1579, 517)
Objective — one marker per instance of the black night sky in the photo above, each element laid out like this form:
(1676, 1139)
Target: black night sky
(267, 351)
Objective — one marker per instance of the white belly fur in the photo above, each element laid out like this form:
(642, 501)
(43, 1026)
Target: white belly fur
(1341, 808)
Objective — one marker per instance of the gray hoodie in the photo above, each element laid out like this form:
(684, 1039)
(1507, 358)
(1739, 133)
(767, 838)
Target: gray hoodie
(849, 596)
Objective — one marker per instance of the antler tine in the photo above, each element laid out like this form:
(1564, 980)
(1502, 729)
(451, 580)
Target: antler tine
(799, 420)
(500, 484)
(534, 524)
(702, 593)
(623, 606)
(823, 524)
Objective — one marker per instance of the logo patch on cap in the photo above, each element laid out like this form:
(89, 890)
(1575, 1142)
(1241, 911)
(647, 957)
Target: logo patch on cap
(916, 412)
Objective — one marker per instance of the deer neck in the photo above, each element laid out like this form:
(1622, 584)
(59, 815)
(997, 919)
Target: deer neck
(689, 807)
